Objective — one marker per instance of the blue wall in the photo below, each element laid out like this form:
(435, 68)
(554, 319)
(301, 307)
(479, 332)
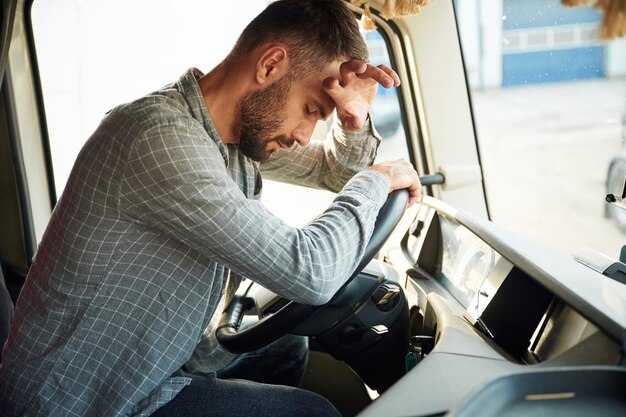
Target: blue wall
(552, 66)
(544, 65)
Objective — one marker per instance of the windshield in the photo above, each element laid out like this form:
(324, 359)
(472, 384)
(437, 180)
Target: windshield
(548, 101)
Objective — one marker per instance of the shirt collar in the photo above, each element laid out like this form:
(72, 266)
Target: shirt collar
(190, 89)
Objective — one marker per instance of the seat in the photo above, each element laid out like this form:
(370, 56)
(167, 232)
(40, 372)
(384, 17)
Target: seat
(6, 312)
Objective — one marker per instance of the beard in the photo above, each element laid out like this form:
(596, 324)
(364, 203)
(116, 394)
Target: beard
(258, 118)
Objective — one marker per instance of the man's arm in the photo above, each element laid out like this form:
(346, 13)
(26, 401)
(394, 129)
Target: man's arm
(176, 184)
(326, 164)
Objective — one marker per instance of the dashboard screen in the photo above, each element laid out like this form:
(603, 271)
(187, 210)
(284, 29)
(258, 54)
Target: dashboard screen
(466, 263)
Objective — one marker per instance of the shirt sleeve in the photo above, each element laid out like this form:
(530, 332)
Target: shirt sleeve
(176, 183)
(327, 164)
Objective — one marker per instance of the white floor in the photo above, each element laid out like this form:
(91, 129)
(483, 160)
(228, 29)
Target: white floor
(545, 152)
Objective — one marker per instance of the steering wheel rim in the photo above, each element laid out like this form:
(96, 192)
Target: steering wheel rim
(269, 329)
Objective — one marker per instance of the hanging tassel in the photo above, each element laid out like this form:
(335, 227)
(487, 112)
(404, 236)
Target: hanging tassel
(575, 3)
(395, 8)
(614, 19)
(366, 23)
(389, 9)
(367, 20)
(408, 7)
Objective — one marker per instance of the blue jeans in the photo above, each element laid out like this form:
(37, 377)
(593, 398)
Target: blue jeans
(262, 383)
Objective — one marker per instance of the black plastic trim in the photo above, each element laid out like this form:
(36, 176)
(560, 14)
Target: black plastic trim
(41, 108)
(30, 241)
(7, 17)
(420, 138)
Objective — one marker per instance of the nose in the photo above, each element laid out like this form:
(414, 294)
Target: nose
(302, 135)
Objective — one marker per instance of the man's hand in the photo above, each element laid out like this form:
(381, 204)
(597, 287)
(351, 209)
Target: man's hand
(400, 174)
(354, 92)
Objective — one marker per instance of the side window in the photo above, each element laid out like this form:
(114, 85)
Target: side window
(549, 101)
(94, 55)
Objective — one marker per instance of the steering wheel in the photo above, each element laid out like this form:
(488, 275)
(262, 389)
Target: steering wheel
(270, 328)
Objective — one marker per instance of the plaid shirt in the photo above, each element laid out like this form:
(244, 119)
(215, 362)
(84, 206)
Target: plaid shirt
(136, 257)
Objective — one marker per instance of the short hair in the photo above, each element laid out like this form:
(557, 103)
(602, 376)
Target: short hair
(315, 32)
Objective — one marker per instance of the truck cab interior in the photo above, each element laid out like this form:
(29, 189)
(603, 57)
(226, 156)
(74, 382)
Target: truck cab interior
(501, 293)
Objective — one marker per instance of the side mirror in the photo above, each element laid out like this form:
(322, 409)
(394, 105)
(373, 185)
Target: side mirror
(618, 200)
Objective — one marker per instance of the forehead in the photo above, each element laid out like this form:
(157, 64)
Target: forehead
(312, 84)
(319, 75)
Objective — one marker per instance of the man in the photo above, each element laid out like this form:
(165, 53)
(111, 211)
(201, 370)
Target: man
(116, 315)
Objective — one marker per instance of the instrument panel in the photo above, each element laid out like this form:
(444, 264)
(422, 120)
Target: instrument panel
(489, 305)
(499, 298)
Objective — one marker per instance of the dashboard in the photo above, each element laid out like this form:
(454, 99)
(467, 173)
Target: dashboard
(499, 309)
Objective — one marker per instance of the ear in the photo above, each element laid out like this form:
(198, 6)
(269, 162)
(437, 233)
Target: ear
(272, 64)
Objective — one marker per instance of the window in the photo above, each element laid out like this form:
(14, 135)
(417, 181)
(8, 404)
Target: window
(548, 100)
(94, 55)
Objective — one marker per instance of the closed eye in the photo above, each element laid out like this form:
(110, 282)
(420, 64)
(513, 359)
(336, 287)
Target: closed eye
(319, 108)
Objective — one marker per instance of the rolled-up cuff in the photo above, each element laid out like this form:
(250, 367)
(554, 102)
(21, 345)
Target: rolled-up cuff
(373, 185)
(347, 138)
